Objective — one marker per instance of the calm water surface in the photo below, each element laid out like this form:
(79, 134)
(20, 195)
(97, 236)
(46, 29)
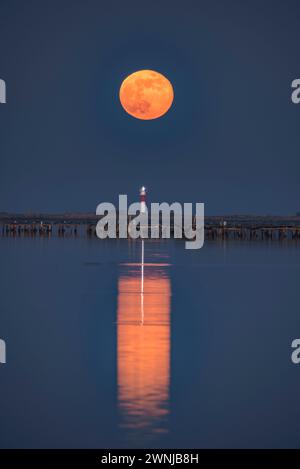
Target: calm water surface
(185, 349)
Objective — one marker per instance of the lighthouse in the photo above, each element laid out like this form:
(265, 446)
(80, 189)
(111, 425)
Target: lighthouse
(143, 199)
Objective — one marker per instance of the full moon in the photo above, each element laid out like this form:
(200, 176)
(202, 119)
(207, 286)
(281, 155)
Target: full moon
(146, 94)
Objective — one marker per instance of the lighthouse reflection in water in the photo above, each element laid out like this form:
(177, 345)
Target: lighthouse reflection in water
(143, 346)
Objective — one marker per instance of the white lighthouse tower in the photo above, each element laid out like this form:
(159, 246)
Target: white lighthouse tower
(143, 199)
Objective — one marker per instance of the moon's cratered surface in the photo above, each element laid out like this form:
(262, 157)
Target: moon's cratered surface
(146, 94)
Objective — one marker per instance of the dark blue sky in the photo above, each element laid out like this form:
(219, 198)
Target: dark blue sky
(230, 140)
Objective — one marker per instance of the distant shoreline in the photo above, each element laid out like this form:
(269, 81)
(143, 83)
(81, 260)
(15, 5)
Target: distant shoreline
(237, 227)
(84, 218)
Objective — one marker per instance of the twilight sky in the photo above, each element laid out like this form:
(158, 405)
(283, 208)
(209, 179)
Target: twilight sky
(230, 139)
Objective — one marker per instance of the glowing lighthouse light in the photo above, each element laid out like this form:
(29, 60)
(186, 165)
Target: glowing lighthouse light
(143, 199)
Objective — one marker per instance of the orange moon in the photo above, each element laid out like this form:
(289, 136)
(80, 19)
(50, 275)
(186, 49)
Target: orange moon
(146, 94)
